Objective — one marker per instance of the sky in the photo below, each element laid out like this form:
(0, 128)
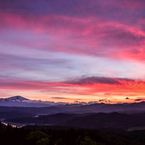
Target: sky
(73, 50)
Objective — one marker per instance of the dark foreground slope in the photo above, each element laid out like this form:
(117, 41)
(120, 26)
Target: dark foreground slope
(46, 135)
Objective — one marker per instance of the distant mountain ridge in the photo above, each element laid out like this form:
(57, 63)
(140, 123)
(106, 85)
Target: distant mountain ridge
(61, 107)
(91, 121)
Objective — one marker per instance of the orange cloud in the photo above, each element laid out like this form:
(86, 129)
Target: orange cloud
(108, 86)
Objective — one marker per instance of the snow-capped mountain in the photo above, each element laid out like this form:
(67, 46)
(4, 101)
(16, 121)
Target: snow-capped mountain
(24, 102)
(13, 99)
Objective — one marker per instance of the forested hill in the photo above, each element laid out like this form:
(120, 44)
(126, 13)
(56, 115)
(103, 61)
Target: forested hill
(92, 121)
(54, 135)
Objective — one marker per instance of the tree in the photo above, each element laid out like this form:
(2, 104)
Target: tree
(59, 142)
(43, 141)
(37, 137)
(0, 125)
(88, 141)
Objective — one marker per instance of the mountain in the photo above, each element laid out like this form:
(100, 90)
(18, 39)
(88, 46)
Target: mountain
(90, 121)
(52, 119)
(19, 101)
(18, 109)
(109, 120)
(13, 99)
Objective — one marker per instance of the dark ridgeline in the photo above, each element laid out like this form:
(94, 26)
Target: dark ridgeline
(90, 121)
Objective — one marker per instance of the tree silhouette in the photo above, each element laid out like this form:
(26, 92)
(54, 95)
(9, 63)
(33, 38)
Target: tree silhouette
(37, 137)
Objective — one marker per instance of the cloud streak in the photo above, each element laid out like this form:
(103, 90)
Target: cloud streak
(91, 86)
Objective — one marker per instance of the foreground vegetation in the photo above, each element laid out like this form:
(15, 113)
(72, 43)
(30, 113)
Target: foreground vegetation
(45, 135)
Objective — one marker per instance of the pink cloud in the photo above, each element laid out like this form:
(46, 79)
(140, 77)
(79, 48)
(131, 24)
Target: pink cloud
(98, 28)
(88, 36)
(91, 86)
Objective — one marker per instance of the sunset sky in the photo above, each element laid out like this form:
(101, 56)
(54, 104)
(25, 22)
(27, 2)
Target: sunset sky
(73, 50)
